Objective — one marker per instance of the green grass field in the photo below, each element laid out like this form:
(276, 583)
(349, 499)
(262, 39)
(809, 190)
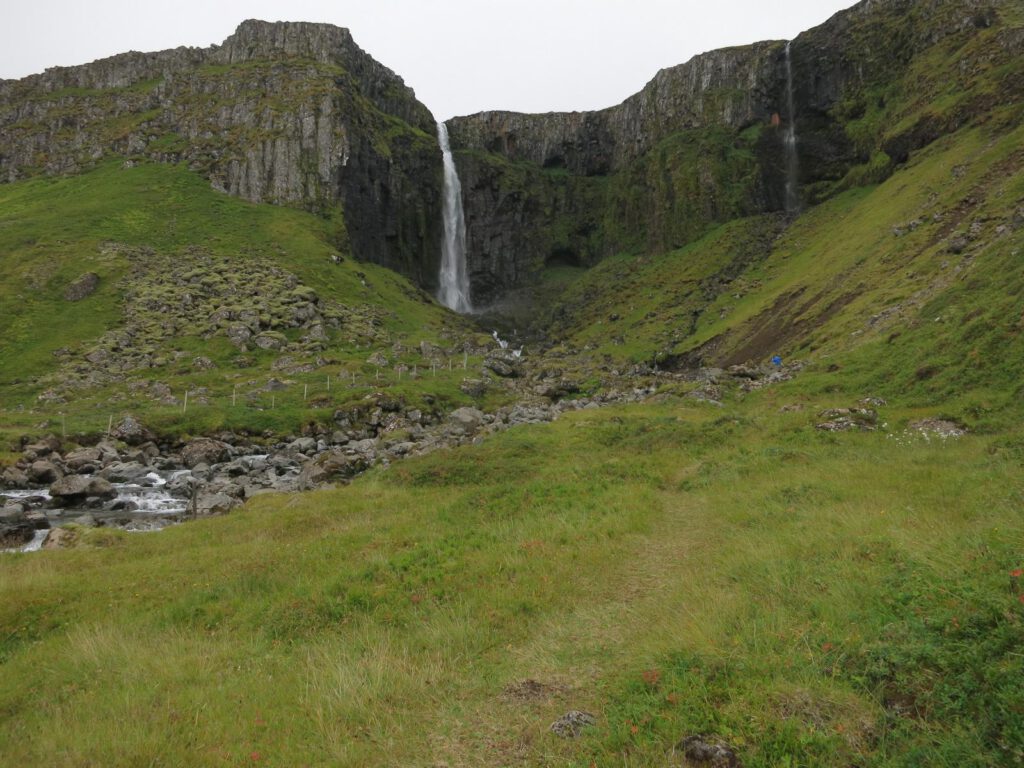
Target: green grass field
(813, 599)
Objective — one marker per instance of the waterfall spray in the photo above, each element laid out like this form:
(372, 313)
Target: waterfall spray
(454, 278)
(792, 159)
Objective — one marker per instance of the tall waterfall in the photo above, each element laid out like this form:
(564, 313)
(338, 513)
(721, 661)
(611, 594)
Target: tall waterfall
(454, 278)
(792, 160)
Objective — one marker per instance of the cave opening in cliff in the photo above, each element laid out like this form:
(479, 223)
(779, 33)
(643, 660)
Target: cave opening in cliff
(562, 257)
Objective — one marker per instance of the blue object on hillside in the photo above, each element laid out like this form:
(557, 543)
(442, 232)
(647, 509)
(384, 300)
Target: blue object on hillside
(776, 360)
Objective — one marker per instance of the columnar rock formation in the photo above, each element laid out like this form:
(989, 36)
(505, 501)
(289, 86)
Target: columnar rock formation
(287, 113)
(702, 143)
(297, 114)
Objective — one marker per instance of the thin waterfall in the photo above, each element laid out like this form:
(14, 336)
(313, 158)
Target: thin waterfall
(454, 279)
(792, 159)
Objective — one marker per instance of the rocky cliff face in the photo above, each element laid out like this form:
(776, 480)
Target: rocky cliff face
(286, 113)
(703, 142)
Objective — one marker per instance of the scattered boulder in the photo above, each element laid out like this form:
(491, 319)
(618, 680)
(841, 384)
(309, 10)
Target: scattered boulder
(16, 530)
(83, 287)
(239, 335)
(332, 466)
(501, 367)
(60, 538)
(941, 427)
(74, 488)
(84, 460)
(572, 723)
(217, 503)
(466, 421)
(271, 340)
(876, 402)
(131, 431)
(44, 472)
(847, 419)
(42, 448)
(124, 472)
(204, 450)
(303, 445)
(705, 751)
(473, 387)
(12, 477)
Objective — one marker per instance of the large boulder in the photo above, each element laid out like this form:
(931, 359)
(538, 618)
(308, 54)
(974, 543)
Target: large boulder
(12, 477)
(89, 459)
(73, 488)
(215, 503)
(125, 472)
(15, 532)
(205, 450)
(60, 538)
(503, 364)
(465, 421)
(42, 448)
(333, 466)
(44, 472)
(131, 431)
(83, 287)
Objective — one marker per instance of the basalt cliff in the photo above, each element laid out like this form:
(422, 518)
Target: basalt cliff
(702, 143)
(286, 113)
(297, 114)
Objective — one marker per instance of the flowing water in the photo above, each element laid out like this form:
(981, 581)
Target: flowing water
(454, 278)
(792, 159)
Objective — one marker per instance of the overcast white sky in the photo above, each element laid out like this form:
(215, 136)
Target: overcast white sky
(461, 56)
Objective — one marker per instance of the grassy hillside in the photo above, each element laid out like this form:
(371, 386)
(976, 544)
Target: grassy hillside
(811, 599)
(178, 265)
(910, 288)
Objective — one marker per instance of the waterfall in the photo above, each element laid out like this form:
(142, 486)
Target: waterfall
(792, 160)
(454, 279)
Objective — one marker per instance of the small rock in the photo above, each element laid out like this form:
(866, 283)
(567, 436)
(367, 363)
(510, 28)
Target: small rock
(703, 751)
(940, 427)
(83, 287)
(59, 538)
(572, 723)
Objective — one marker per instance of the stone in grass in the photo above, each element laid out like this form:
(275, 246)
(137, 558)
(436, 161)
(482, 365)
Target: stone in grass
(706, 751)
(82, 287)
(572, 723)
